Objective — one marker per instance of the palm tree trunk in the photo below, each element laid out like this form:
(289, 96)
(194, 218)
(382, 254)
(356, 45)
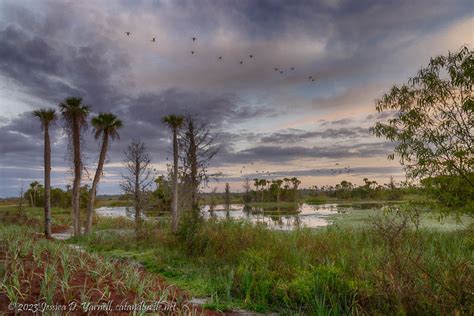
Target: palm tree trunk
(76, 188)
(174, 202)
(47, 182)
(95, 182)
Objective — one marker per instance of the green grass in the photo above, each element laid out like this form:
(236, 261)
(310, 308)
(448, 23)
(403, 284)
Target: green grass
(333, 271)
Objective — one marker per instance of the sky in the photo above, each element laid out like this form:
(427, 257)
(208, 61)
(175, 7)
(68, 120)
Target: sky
(266, 121)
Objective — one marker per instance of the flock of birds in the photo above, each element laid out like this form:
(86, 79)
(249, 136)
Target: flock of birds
(345, 170)
(281, 71)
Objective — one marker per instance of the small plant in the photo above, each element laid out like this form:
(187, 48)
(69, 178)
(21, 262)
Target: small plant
(13, 288)
(48, 284)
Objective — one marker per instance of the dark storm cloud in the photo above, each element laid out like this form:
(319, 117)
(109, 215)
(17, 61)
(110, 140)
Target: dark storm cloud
(51, 72)
(216, 109)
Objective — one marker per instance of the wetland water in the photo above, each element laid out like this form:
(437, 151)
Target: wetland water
(286, 217)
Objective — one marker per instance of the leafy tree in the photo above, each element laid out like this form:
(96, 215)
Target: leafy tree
(174, 122)
(75, 113)
(163, 193)
(433, 120)
(107, 126)
(46, 117)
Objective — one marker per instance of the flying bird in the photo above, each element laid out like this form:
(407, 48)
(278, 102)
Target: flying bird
(241, 62)
(153, 39)
(192, 52)
(250, 56)
(292, 68)
(281, 72)
(220, 57)
(128, 33)
(310, 77)
(194, 39)
(276, 69)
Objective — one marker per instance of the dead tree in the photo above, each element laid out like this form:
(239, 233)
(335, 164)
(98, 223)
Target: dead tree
(138, 179)
(198, 147)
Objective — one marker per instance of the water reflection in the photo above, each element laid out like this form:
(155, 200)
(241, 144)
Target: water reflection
(277, 217)
(285, 217)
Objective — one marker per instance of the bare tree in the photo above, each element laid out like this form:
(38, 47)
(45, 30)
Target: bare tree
(227, 196)
(198, 148)
(247, 189)
(139, 178)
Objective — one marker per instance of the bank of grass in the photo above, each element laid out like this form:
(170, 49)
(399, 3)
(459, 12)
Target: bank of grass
(387, 269)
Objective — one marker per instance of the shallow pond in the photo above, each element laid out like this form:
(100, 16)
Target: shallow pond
(287, 217)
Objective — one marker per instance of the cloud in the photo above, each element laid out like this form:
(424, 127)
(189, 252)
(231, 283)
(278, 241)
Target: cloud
(295, 137)
(50, 50)
(278, 154)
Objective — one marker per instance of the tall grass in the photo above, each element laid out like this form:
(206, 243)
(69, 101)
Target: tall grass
(387, 269)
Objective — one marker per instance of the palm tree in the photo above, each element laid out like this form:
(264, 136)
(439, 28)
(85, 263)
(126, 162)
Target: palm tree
(34, 192)
(75, 115)
(174, 122)
(107, 125)
(46, 117)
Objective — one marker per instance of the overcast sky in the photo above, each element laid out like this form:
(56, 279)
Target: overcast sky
(282, 123)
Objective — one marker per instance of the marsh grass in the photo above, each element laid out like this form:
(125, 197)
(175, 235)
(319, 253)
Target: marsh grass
(389, 267)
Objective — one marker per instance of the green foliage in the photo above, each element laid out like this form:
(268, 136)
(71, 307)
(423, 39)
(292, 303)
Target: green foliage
(106, 123)
(189, 226)
(432, 122)
(163, 194)
(330, 271)
(451, 192)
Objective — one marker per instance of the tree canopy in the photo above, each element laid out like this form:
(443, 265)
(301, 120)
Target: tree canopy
(432, 120)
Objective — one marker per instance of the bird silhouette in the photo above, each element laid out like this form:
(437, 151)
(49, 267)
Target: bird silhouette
(292, 68)
(128, 33)
(220, 57)
(192, 52)
(276, 69)
(250, 56)
(153, 39)
(310, 77)
(241, 62)
(194, 39)
(281, 72)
